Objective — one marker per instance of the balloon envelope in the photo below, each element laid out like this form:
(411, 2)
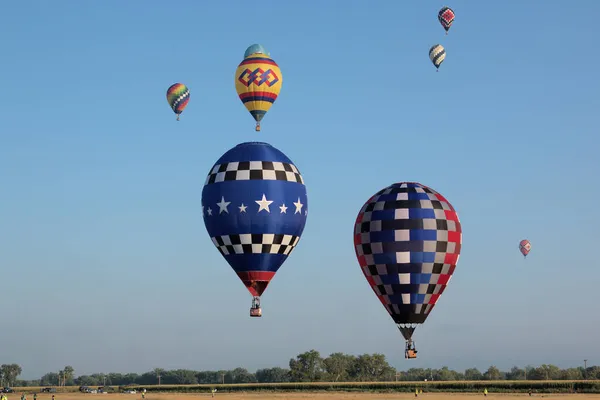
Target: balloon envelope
(178, 96)
(258, 82)
(446, 17)
(524, 247)
(254, 207)
(437, 55)
(407, 239)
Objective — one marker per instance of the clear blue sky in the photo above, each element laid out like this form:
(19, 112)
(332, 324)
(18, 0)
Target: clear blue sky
(105, 261)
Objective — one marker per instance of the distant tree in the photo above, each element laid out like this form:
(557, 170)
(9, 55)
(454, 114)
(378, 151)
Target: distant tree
(147, 378)
(103, 379)
(86, 380)
(68, 374)
(338, 365)
(240, 375)
(515, 374)
(544, 372)
(49, 379)
(115, 379)
(307, 367)
(446, 374)
(371, 368)
(492, 374)
(274, 375)
(473, 374)
(571, 374)
(158, 372)
(208, 377)
(9, 373)
(415, 374)
(184, 376)
(592, 372)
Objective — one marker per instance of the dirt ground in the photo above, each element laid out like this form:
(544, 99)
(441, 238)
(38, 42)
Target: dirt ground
(298, 396)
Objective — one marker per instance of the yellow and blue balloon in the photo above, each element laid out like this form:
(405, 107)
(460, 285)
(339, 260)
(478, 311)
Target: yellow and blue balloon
(258, 82)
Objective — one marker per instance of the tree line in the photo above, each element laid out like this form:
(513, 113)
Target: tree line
(305, 367)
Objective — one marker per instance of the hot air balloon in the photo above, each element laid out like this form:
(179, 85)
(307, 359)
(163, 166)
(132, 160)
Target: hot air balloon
(178, 96)
(407, 239)
(255, 207)
(437, 55)
(258, 83)
(446, 18)
(525, 247)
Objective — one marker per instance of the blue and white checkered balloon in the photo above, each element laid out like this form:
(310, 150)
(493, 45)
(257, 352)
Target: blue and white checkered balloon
(254, 206)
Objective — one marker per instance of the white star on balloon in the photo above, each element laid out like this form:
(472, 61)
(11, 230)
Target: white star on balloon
(202, 210)
(263, 204)
(243, 208)
(223, 205)
(298, 205)
(209, 211)
(283, 209)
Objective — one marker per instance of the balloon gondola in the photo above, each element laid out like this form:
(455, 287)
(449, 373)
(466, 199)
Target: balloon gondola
(407, 239)
(258, 82)
(254, 206)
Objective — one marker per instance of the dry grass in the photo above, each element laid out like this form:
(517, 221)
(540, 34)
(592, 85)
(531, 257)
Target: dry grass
(306, 395)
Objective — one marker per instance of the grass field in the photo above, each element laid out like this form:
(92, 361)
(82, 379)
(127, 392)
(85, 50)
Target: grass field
(342, 390)
(307, 395)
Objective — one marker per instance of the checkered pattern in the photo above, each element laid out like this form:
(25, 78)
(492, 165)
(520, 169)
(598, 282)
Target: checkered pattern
(248, 243)
(407, 240)
(525, 247)
(254, 170)
(446, 17)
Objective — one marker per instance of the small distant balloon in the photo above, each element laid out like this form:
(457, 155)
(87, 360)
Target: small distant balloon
(256, 49)
(524, 247)
(437, 55)
(178, 96)
(446, 18)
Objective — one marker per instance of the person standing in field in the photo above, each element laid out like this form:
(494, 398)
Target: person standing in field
(485, 392)
(35, 396)
(416, 392)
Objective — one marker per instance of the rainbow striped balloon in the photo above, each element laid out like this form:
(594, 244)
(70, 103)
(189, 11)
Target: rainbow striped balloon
(178, 96)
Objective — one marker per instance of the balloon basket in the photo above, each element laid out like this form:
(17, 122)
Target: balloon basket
(256, 312)
(257, 129)
(410, 352)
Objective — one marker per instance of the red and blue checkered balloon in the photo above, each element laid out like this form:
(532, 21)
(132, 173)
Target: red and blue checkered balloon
(446, 17)
(255, 207)
(407, 239)
(524, 247)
